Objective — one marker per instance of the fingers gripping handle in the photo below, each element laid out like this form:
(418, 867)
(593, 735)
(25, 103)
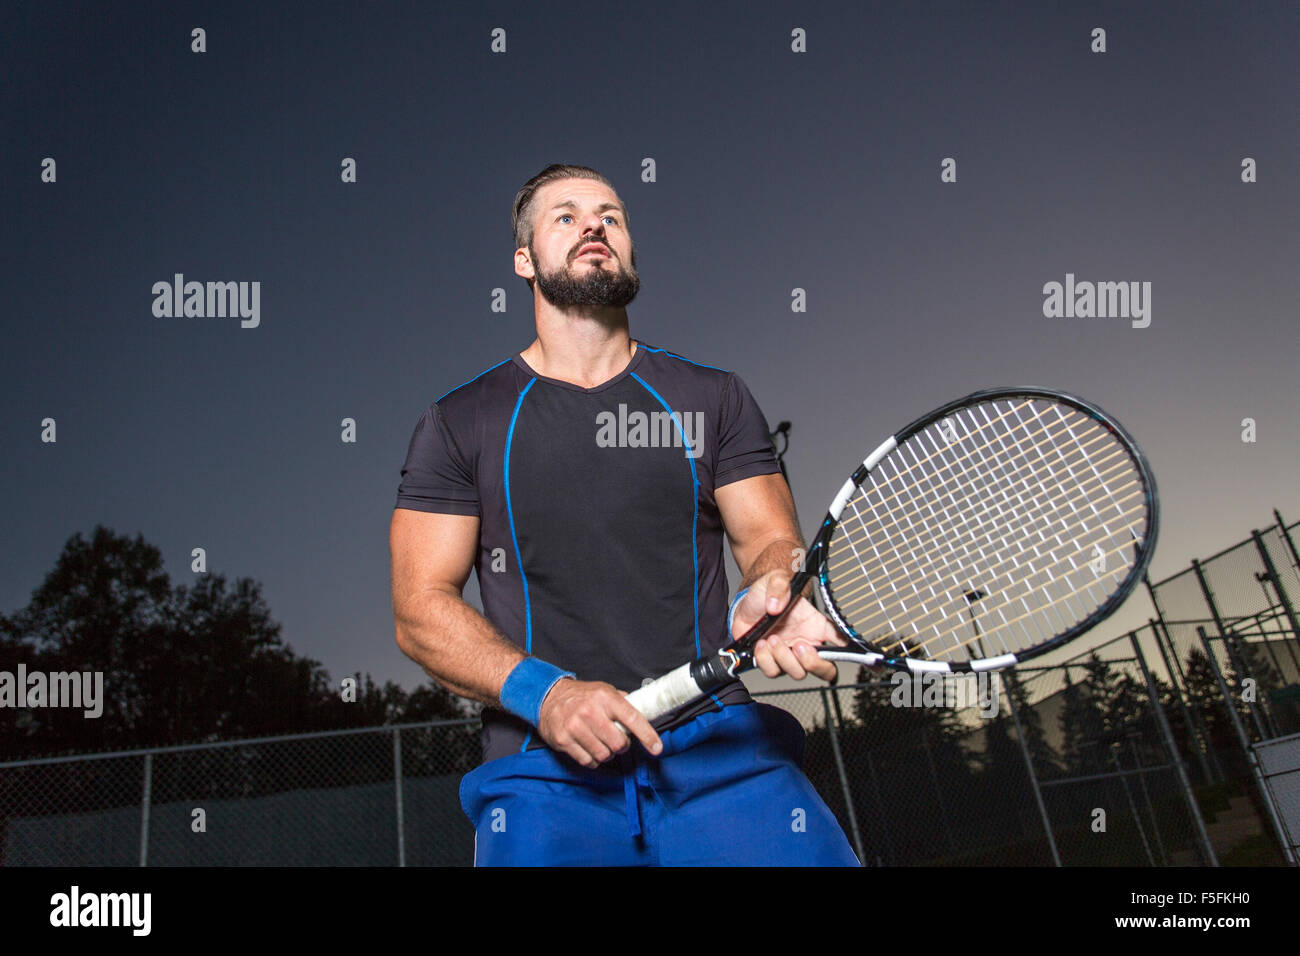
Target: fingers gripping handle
(693, 680)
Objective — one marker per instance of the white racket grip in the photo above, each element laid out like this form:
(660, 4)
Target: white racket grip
(669, 692)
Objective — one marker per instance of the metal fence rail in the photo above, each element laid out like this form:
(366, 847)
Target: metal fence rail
(1229, 642)
(372, 797)
(1076, 767)
(930, 785)
(1139, 752)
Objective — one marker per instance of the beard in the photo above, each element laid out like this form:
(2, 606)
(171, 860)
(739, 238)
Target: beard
(605, 283)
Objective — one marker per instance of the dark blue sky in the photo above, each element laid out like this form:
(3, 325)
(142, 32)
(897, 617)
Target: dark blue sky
(775, 171)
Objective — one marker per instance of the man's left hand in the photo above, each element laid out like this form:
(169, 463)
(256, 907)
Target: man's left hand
(791, 646)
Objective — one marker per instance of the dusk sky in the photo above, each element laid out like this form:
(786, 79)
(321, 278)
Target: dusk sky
(773, 171)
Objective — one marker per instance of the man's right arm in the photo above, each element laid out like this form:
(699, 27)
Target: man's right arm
(432, 556)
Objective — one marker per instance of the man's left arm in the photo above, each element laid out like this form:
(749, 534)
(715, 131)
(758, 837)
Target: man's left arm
(759, 517)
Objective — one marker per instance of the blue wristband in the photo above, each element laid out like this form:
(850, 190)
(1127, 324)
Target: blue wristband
(731, 615)
(527, 686)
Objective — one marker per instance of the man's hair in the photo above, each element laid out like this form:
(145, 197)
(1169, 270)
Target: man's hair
(523, 214)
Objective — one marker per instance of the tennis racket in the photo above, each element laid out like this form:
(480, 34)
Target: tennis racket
(990, 531)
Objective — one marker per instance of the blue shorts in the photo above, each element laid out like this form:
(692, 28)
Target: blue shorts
(726, 791)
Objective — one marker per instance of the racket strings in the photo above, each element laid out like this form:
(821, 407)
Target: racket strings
(868, 529)
(850, 597)
(962, 572)
(958, 465)
(1091, 464)
(1032, 501)
(1068, 465)
(1027, 583)
(991, 500)
(952, 623)
(865, 528)
(1019, 481)
(1073, 524)
(1026, 613)
(1014, 600)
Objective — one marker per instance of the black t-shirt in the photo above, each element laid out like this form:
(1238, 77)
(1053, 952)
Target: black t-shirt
(600, 542)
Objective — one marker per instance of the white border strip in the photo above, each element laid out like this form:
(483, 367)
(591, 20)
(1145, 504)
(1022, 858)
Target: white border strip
(993, 663)
(846, 491)
(874, 458)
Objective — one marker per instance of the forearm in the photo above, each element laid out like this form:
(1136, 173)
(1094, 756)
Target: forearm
(782, 554)
(457, 646)
(762, 525)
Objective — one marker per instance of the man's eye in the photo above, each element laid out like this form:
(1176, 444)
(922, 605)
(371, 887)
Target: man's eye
(612, 219)
(565, 216)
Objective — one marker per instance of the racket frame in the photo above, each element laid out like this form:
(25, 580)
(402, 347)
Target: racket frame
(712, 671)
(1145, 548)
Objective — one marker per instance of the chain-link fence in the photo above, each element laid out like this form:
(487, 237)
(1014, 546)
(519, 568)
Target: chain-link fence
(1066, 764)
(1138, 752)
(1229, 643)
(1244, 598)
(375, 797)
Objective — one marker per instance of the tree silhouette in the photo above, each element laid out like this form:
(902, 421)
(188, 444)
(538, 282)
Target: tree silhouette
(875, 703)
(1003, 758)
(911, 771)
(1259, 664)
(1100, 711)
(1186, 737)
(181, 664)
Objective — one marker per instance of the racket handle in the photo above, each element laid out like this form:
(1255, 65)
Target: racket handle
(667, 693)
(679, 686)
(707, 674)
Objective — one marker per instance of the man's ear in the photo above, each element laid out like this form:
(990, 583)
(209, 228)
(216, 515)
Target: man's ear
(524, 267)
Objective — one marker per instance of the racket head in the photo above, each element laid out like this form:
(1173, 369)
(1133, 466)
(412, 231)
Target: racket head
(992, 530)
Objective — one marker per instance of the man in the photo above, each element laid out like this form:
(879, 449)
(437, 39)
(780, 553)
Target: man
(589, 480)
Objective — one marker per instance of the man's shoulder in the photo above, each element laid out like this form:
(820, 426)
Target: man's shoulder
(477, 394)
(669, 362)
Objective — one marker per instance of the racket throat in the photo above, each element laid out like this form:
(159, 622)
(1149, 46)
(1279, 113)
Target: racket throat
(713, 672)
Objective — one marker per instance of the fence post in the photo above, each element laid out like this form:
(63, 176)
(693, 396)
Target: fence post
(397, 786)
(1281, 596)
(1262, 726)
(1198, 737)
(1171, 746)
(880, 805)
(1286, 536)
(144, 809)
(1196, 712)
(1033, 780)
(1224, 635)
(1151, 593)
(1186, 688)
(938, 792)
(1146, 798)
(844, 780)
(1209, 598)
(1137, 819)
(1251, 757)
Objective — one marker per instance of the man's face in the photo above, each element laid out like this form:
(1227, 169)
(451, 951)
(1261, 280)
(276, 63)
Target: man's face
(581, 251)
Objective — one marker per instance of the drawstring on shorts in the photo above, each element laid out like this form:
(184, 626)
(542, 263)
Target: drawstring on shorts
(635, 776)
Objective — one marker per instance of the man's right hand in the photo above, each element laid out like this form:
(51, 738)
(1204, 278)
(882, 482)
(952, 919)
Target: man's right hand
(577, 718)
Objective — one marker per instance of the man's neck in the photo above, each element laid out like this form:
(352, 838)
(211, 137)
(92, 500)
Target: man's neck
(580, 351)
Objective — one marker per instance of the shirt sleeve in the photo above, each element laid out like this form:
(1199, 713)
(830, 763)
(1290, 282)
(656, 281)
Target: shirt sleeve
(436, 476)
(744, 440)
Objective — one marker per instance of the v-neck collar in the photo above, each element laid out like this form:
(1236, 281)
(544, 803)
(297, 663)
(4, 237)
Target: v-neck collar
(627, 370)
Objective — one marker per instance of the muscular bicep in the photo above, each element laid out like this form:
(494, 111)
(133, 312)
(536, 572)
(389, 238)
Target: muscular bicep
(430, 552)
(756, 512)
